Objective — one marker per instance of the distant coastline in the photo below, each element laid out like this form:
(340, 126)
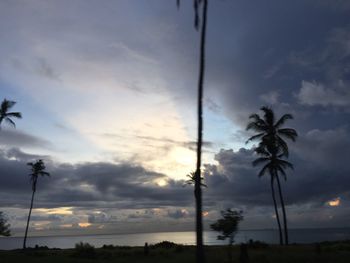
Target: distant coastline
(169, 231)
(298, 235)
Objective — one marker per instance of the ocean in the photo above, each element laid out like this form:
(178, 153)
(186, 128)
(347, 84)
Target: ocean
(186, 238)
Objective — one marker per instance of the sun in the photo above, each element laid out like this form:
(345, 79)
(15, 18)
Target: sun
(183, 156)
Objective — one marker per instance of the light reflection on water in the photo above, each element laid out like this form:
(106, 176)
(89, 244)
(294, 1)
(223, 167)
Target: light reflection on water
(187, 238)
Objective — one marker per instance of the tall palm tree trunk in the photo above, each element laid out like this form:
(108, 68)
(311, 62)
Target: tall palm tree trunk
(200, 258)
(283, 211)
(30, 212)
(276, 211)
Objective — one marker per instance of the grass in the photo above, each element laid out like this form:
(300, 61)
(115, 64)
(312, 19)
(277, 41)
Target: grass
(335, 252)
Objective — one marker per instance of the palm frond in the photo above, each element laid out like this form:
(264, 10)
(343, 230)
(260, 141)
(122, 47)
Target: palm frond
(288, 133)
(255, 127)
(263, 170)
(254, 137)
(11, 122)
(192, 179)
(256, 118)
(285, 164)
(268, 115)
(14, 114)
(283, 119)
(283, 146)
(260, 160)
(260, 150)
(6, 105)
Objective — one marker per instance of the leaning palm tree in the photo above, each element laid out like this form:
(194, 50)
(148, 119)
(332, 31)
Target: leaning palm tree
(273, 164)
(5, 115)
(274, 147)
(200, 258)
(37, 169)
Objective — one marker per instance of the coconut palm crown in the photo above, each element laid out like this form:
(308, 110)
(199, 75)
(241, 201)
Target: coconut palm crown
(37, 169)
(7, 116)
(270, 132)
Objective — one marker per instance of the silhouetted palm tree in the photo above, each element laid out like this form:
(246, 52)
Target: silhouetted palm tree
(191, 179)
(37, 169)
(197, 186)
(5, 115)
(273, 164)
(273, 147)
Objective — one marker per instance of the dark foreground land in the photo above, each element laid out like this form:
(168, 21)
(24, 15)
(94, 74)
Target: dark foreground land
(332, 252)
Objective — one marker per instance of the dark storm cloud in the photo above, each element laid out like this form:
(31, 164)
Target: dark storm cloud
(321, 173)
(293, 55)
(16, 138)
(320, 159)
(88, 185)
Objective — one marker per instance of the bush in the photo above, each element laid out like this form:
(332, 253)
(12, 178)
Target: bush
(84, 250)
(257, 244)
(108, 246)
(164, 244)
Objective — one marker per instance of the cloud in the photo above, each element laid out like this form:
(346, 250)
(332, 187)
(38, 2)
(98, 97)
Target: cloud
(17, 138)
(88, 185)
(312, 93)
(108, 193)
(178, 214)
(320, 160)
(271, 98)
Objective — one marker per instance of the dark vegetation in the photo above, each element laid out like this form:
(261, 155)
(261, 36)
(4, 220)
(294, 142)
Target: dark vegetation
(326, 252)
(228, 226)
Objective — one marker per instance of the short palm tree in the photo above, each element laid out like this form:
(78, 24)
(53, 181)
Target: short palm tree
(5, 115)
(37, 169)
(273, 147)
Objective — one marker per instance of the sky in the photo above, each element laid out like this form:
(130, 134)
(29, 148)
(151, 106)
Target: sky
(107, 90)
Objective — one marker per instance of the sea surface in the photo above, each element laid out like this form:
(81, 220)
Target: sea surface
(186, 238)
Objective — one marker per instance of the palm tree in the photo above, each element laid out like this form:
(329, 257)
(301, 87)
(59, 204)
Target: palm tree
(5, 115)
(273, 164)
(37, 168)
(191, 179)
(273, 147)
(200, 258)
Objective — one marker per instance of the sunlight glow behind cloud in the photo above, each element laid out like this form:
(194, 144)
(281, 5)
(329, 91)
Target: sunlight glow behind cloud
(334, 202)
(56, 211)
